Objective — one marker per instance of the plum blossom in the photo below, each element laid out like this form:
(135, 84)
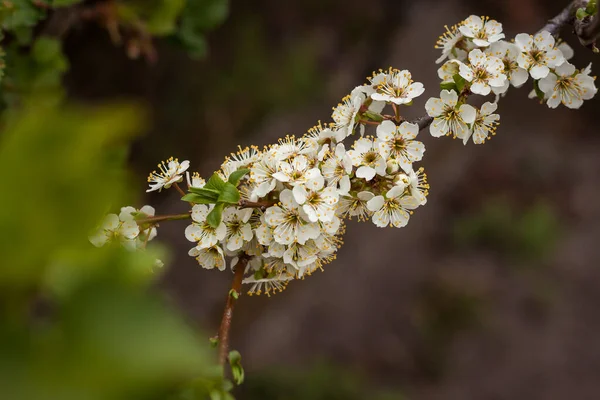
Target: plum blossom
(449, 117)
(483, 31)
(169, 173)
(395, 86)
(483, 72)
(538, 53)
(484, 125)
(365, 155)
(567, 86)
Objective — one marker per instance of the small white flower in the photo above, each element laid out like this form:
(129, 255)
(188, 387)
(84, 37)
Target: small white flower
(246, 156)
(267, 285)
(261, 174)
(169, 173)
(355, 205)
(344, 115)
(538, 53)
(415, 184)
(395, 86)
(508, 53)
(238, 228)
(565, 85)
(299, 172)
(287, 222)
(318, 204)
(394, 209)
(449, 118)
(447, 71)
(131, 214)
(196, 181)
(485, 124)
(484, 72)
(300, 256)
(399, 142)
(448, 41)
(365, 155)
(112, 228)
(200, 231)
(483, 32)
(337, 168)
(210, 257)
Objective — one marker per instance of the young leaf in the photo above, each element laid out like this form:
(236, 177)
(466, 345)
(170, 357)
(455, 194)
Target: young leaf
(214, 217)
(197, 199)
(229, 194)
(448, 86)
(215, 183)
(206, 193)
(236, 176)
(538, 91)
(237, 371)
(460, 82)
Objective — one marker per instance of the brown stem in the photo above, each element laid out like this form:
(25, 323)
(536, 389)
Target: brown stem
(256, 204)
(362, 121)
(564, 17)
(223, 334)
(160, 218)
(181, 192)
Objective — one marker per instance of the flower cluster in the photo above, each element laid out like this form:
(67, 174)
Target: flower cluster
(279, 212)
(289, 221)
(478, 61)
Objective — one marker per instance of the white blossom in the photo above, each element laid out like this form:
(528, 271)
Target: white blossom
(299, 172)
(200, 231)
(318, 204)
(209, 257)
(365, 155)
(398, 142)
(538, 53)
(344, 115)
(448, 42)
(483, 32)
(287, 222)
(395, 86)
(484, 125)
(393, 209)
(567, 86)
(239, 230)
(449, 117)
(336, 169)
(509, 53)
(484, 72)
(112, 228)
(169, 173)
(355, 205)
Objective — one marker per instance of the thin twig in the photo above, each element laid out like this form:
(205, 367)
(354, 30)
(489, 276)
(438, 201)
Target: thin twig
(256, 204)
(181, 192)
(566, 16)
(225, 327)
(160, 218)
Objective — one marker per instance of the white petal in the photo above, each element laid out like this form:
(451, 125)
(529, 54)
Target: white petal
(375, 203)
(366, 172)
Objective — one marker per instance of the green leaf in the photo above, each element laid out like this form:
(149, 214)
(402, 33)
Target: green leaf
(581, 13)
(215, 183)
(229, 194)
(538, 91)
(234, 294)
(214, 341)
(373, 116)
(237, 371)
(214, 217)
(448, 86)
(236, 176)
(460, 82)
(64, 3)
(198, 199)
(592, 7)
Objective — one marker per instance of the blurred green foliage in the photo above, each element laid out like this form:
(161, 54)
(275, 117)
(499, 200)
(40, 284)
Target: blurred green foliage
(525, 234)
(323, 381)
(77, 322)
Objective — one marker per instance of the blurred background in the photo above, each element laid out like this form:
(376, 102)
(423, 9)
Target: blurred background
(490, 292)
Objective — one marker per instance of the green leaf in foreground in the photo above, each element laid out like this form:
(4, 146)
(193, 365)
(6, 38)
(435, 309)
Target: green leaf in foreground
(214, 217)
